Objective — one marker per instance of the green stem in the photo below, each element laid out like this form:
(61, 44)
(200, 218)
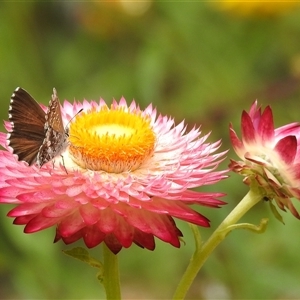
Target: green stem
(111, 277)
(201, 254)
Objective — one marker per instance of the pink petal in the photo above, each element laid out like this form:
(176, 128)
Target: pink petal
(3, 139)
(266, 125)
(163, 227)
(255, 113)
(107, 221)
(287, 149)
(124, 233)
(70, 225)
(144, 240)
(235, 141)
(68, 239)
(289, 129)
(23, 220)
(26, 209)
(112, 243)
(39, 222)
(89, 214)
(92, 236)
(248, 131)
(54, 211)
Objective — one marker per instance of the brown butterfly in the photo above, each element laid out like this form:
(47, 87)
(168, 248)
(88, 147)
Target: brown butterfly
(36, 136)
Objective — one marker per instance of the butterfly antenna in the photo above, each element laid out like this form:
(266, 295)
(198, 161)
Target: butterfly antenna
(74, 117)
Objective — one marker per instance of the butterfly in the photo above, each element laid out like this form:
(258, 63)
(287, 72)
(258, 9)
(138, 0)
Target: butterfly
(36, 136)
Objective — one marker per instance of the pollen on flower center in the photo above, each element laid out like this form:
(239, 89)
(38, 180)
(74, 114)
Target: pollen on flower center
(112, 140)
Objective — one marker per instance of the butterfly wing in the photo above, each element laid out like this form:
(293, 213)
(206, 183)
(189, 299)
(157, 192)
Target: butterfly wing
(53, 115)
(27, 119)
(55, 141)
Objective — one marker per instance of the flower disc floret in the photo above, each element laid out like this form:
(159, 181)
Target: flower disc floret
(111, 140)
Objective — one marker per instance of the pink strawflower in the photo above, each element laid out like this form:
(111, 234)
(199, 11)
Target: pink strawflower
(270, 157)
(125, 175)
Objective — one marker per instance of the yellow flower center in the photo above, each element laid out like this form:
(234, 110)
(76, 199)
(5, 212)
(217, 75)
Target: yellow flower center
(112, 140)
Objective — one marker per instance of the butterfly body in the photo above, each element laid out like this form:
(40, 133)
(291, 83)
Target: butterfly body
(36, 136)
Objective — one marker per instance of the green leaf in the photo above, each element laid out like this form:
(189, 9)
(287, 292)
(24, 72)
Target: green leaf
(83, 255)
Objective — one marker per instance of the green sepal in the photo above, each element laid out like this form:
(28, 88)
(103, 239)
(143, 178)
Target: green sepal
(275, 212)
(84, 256)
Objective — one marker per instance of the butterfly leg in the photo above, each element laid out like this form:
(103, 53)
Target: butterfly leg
(62, 157)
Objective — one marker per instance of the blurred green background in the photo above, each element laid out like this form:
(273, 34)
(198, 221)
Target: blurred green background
(202, 62)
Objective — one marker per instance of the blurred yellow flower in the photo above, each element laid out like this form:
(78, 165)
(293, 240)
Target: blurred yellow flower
(256, 8)
(110, 19)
